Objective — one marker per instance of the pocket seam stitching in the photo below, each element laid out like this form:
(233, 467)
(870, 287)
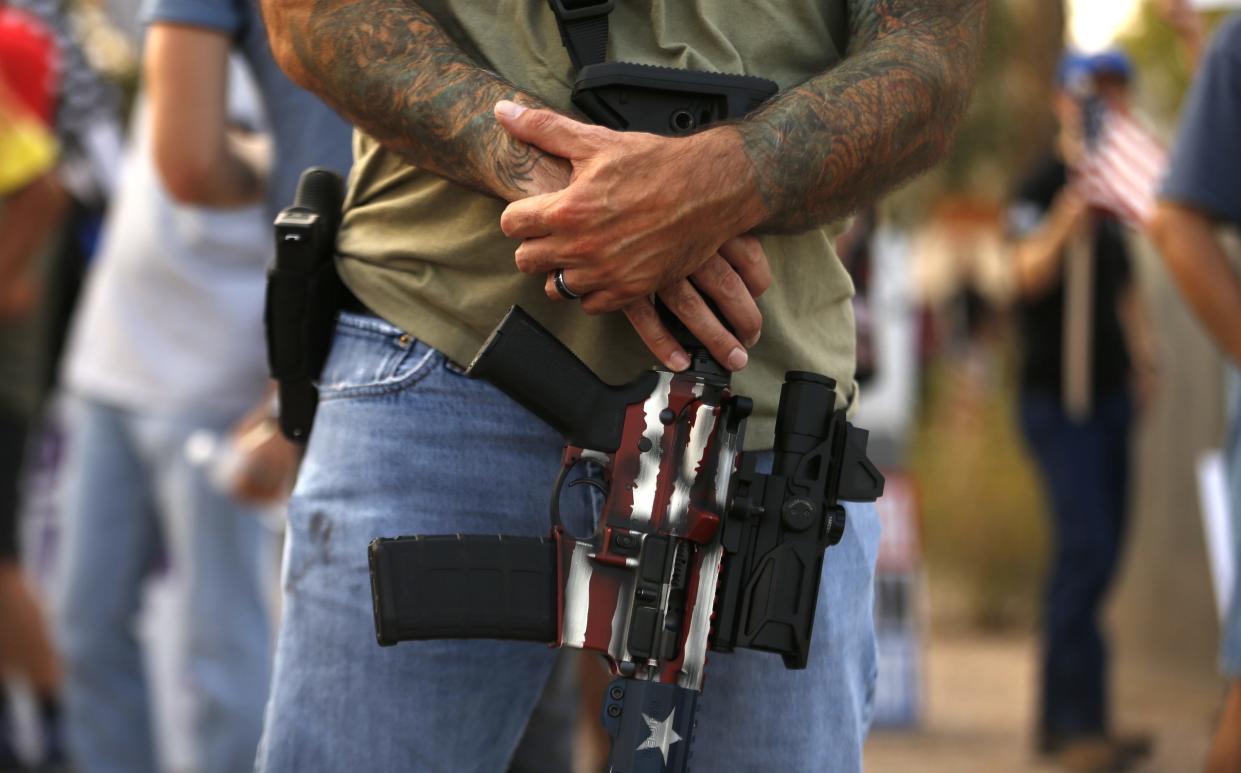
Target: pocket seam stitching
(379, 388)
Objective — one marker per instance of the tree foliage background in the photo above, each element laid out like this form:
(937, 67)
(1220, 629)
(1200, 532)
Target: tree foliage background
(1009, 122)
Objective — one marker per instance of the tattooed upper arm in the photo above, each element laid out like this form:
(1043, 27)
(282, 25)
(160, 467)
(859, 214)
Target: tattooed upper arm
(886, 112)
(391, 69)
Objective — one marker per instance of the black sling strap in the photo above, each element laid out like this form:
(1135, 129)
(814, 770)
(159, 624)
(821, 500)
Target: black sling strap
(583, 29)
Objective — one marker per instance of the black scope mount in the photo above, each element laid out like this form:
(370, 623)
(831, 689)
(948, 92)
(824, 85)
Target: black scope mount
(645, 98)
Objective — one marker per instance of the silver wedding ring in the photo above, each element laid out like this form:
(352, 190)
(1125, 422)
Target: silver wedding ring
(562, 288)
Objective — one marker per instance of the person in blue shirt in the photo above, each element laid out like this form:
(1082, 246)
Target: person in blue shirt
(1201, 194)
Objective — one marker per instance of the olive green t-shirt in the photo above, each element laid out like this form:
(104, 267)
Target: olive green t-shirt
(428, 255)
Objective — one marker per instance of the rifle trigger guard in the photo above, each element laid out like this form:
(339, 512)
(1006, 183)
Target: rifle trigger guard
(565, 469)
(594, 483)
(569, 462)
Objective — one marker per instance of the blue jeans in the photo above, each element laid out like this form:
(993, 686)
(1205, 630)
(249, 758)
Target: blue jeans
(1230, 647)
(1085, 468)
(130, 491)
(404, 443)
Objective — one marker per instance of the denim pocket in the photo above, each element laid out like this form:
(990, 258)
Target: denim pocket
(371, 357)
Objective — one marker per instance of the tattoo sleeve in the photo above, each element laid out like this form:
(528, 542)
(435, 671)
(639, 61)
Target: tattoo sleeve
(887, 112)
(390, 68)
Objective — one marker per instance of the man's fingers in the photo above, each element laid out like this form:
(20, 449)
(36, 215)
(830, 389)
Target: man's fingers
(720, 282)
(536, 256)
(683, 300)
(540, 256)
(576, 282)
(746, 255)
(547, 130)
(651, 330)
(529, 218)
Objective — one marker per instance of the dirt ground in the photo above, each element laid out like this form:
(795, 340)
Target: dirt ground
(979, 710)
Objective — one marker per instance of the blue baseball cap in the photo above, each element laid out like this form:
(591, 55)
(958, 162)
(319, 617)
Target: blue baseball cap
(1073, 71)
(1114, 62)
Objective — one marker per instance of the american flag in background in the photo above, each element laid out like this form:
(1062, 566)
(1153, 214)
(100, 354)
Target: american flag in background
(1122, 172)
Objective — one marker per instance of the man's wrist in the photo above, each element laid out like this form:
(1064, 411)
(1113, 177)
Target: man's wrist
(731, 173)
(538, 174)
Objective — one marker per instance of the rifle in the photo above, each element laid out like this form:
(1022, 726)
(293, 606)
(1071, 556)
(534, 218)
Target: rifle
(694, 550)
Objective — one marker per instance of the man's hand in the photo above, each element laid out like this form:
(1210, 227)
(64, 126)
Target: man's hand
(621, 236)
(640, 212)
(734, 278)
(269, 462)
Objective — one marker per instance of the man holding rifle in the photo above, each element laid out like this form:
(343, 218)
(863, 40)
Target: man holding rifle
(462, 111)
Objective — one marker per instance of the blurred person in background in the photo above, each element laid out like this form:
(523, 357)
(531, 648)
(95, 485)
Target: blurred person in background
(163, 347)
(1190, 28)
(1202, 194)
(206, 163)
(1078, 309)
(87, 111)
(169, 344)
(88, 128)
(32, 202)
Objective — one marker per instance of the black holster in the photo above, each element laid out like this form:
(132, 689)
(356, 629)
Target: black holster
(304, 293)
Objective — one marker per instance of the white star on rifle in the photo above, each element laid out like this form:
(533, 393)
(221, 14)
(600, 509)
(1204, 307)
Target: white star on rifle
(662, 735)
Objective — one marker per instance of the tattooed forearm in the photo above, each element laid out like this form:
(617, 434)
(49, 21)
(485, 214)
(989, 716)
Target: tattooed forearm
(885, 113)
(389, 67)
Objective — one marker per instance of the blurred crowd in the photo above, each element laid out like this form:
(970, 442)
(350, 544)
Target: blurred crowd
(136, 220)
(1063, 262)
(135, 212)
